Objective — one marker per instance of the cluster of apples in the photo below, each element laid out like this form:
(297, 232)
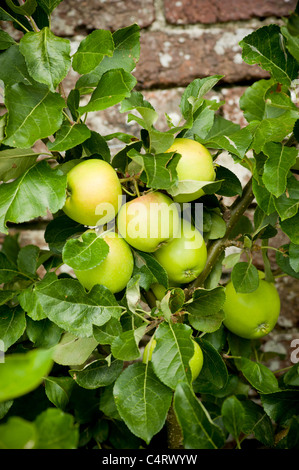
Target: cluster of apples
(151, 222)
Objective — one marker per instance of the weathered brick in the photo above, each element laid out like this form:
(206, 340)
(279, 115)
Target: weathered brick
(176, 59)
(72, 16)
(217, 11)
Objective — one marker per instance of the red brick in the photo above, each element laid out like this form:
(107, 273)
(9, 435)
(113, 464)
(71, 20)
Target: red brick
(214, 11)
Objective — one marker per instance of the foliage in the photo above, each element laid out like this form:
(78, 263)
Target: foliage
(72, 375)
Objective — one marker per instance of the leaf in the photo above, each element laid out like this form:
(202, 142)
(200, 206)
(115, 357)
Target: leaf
(263, 197)
(48, 5)
(280, 160)
(218, 227)
(97, 374)
(39, 116)
(59, 230)
(205, 308)
(283, 261)
(56, 430)
(6, 295)
(291, 228)
(27, 8)
(294, 257)
(257, 422)
(92, 50)
(258, 375)
(107, 403)
(7, 269)
(47, 56)
(245, 278)
(73, 350)
(198, 429)
(43, 333)
(69, 136)
(291, 377)
(58, 390)
(125, 55)
(29, 301)
(280, 406)
(252, 102)
(28, 259)
(194, 92)
(233, 415)
(15, 162)
(5, 40)
(23, 372)
(17, 433)
(13, 67)
(292, 42)
(155, 268)
(96, 144)
(12, 325)
(85, 253)
(142, 400)
(113, 87)
(231, 186)
(236, 142)
(32, 195)
(125, 346)
(266, 48)
(108, 332)
(66, 303)
(213, 375)
(172, 353)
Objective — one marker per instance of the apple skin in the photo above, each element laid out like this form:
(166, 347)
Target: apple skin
(196, 163)
(253, 315)
(184, 257)
(116, 269)
(195, 363)
(148, 221)
(92, 184)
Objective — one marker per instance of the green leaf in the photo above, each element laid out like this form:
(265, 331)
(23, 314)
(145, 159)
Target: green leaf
(294, 257)
(155, 268)
(6, 295)
(283, 261)
(43, 333)
(92, 50)
(13, 67)
(198, 429)
(85, 253)
(142, 400)
(58, 390)
(258, 375)
(172, 353)
(96, 144)
(29, 301)
(47, 57)
(39, 116)
(66, 303)
(97, 374)
(113, 87)
(292, 42)
(48, 5)
(69, 136)
(233, 415)
(245, 278)
(125, 346)
(263, 197)
(205, 309)
(194, 92)
(280, 406)
(107, 403)
(218, 227)
(236, 143)
(7, 269)
(32, 195)
(27, 8)
(56, 430)
(59, 230)
(107, 333)
(28, 259)
(231, 186)
(73, 350)
(291, 377)
(213, 375)
(12, 325)
(291, 228)
(266, 48)
(280, 160)
(23, 372)
(5, 40)
(125, 56)
(17, 433)
(15, 162)
(257, 422)
(252, 102)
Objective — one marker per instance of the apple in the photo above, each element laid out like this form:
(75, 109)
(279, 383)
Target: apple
(195, 363)
(93, 193)
(252, 315)
(115, 270)
(148, 221)
(185, 256)
(196, 164)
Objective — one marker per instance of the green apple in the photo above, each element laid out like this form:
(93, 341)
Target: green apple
(195, 363)
(252, 315)
(116, 269)
(196, 164)
(148, 221)
(94, 193)
(185, 256)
